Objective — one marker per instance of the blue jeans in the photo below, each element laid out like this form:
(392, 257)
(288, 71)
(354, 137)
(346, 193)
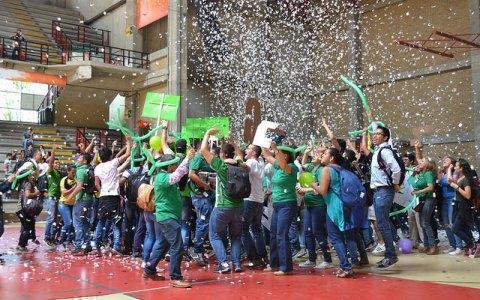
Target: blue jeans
(314, 223)
(296, 233)
(168, 239)
(382, 203)
(203, 209)
(280, 250)
(51, 207)
(150, 236)
(426, 222)
(102, 227)
(338, 240)
(252, 233)
(139, 236)
(447, 218)
(129, 226)
(65, 210)
(223, 220)
(187, 209)
(82, 213)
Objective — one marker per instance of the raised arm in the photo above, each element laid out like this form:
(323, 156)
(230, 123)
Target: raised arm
(165, 148)
(182, 169)
(90, 146)
(126, 155)
(418, 151)
(331, 135)
(204, 150)
(51, 159)
(366, 150)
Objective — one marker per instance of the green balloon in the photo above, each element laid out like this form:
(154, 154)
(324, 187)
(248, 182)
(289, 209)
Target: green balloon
(305, 179)
(155, 142)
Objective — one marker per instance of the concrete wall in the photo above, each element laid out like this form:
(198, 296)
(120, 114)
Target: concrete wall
(83, 107)
(116, 21)
(437, 108)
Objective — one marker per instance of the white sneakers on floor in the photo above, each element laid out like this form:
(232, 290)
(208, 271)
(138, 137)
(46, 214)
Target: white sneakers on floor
(379, 250)
(324, 265)
(457, 251)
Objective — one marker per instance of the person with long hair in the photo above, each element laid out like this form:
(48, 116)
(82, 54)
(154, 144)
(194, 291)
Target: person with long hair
(463, 202)
(448, 196)
(330, 188)
(423, 182)
(284, 200)
(314, 220)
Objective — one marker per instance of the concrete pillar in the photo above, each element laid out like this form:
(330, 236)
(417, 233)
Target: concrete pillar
(474, 13)
(134, 41)
(176, 9)
(354, 55)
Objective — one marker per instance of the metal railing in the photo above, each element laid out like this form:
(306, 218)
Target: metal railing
(105, 136)
(46, 109)
(82, 33)
(110, 55)
(26, 51)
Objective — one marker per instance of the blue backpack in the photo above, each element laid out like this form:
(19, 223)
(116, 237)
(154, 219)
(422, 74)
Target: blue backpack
(353, 196)
(352, 189)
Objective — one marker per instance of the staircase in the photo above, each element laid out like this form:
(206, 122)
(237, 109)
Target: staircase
(35, 20)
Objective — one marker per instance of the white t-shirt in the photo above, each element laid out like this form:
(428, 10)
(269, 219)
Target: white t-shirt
(107, 173)
(257, 167)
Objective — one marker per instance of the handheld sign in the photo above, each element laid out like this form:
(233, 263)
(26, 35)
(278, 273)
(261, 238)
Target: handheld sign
(260, 138)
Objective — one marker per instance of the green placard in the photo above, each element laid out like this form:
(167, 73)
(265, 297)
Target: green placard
(153, 103)
(196, 127)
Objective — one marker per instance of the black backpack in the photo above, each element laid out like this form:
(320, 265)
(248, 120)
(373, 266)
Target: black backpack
(133, 182)
(89, 186)
(383, 166)
(238, 183)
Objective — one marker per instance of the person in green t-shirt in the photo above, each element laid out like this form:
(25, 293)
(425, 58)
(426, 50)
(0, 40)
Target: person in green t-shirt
(423, 182)
(82, 209)
(51, 204)
(226, 216)
(168, 213)
(314, 219)
(284, 200)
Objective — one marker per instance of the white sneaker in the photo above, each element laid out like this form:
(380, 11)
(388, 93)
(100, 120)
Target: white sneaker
(324, 265)
(307, 264)
(379, 250)
(447, 251)
(456, 252)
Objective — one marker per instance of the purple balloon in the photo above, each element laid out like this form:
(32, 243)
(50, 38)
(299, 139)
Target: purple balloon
(405, 245)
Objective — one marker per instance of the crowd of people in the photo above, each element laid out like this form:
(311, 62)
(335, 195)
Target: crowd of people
(249, 204)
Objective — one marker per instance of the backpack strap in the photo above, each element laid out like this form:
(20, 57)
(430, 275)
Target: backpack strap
(383, 166)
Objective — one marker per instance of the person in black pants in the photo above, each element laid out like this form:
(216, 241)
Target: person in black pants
(27, 230)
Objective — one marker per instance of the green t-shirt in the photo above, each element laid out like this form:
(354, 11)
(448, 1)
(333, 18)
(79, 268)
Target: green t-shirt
(312, 199)
(421, 181)
(81, 175)
(283, 184)
(198, 164)
(53, 181)
(222, 199)
(168, 202)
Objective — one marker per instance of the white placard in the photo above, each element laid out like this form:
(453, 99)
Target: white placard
(260, 138)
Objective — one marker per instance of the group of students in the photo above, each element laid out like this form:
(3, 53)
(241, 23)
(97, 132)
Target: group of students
(201, 197)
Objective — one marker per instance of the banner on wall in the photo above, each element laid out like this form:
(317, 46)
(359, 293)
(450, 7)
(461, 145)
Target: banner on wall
(149, 11)
(23, 76)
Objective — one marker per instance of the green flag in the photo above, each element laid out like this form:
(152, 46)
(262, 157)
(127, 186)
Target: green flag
(168, 104)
